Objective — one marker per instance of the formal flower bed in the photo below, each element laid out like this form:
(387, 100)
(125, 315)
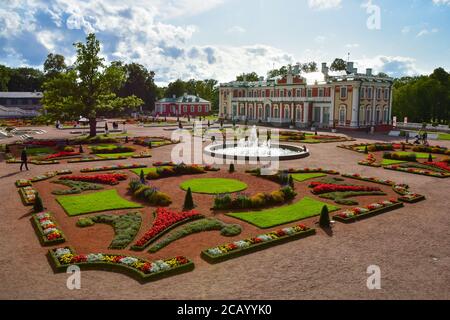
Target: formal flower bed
(107, 178)
(155, 141)
(62, 154)
(23, 183)
(258, 200)
(94, 159)
(321, 188)
(145, 270)
(141, 155)
(440, 165)
(44, 143)
(369, 161)
(257, 171)
(406, 195)
(112, 149)
(357, 176)
(47, 229)
(245, 246)
(359, 213)
(44, 162)
(176, 170)
(28, 195)
(431, 149)
(50, 174)
(164, 164)
(114, 167)
(165, 220)
(413, 170)
(150, 194)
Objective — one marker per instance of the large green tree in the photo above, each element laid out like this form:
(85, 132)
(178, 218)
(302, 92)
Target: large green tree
(4, 77)
(25, 79)
(252, 76)
(88, 88)
(54, 65)
(338, 65)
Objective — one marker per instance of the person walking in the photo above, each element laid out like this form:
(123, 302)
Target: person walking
(24, 159)
(425, 138)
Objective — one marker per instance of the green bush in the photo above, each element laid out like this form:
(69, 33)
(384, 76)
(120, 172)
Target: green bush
(149, 194)
(85, 222)
(188, 201)
(222, 202)
(76, 187)
(324, 220)
(288, 193)
(38, 206)
(231, 169)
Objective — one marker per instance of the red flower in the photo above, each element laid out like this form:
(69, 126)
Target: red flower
(108, 178)
(61, 154)
(320, 188)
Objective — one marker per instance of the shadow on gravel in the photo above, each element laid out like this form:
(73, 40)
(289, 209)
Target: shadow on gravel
(10, 174)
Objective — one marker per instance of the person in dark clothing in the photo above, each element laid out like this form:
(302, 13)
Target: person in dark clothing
(24, 159)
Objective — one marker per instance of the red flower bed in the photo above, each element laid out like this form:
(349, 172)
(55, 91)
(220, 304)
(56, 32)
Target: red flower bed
(61, 154)
(320, 188)
(165, 218)
(325, 137)
(47, 143)
(440, 165)
(107, 178)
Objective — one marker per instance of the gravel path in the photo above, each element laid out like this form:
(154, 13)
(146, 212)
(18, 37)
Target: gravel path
(411, 246)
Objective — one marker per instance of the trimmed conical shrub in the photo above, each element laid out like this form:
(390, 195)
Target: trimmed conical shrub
(324, 221)
(142, 177)
(430, 158)
(38, 206)
(231, 169)
(188, 201)
(291, 182)
(81, 149)
(149, 144)
(366, 150)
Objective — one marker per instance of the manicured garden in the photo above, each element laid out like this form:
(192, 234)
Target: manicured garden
(213, 185)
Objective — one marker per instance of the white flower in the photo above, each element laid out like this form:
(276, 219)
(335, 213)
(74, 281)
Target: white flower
(128, 260)
(264, 237)
(289, 230)
(242, 244)
(50, 230)
(214, 251)
(93, 257)
(46, 223)
(62, 251)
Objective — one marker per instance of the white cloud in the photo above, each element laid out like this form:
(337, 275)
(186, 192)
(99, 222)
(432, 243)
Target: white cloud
(425, 32)
(352, 45)
(236, 30)
(406, 29)
(324, 4)
(394, 66)
(441, 2)
(49, 38)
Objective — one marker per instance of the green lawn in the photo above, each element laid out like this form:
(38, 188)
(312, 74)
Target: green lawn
(94, 202)
(103, 146)
(40, 151)
(213, 185)
(300, 210)
(444, 136)
(419, 155)
(386, 162)
(114, 155)
(300, 177)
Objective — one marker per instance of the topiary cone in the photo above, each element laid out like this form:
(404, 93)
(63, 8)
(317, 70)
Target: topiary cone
(324, 220)
(38, 206)
(366, 150)
(142, 177)
(291, 182)
(430, 158)
(231, 169)
(188, 201)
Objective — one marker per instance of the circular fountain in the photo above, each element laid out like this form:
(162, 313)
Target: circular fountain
(253, 149)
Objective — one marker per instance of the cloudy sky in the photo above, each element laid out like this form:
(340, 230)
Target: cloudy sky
(222, 38)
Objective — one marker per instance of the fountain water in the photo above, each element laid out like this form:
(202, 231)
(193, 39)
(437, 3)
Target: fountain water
(253, 148)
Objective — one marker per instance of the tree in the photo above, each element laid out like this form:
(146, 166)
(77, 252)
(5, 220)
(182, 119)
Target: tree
(382, 75)
(4, 77)
(177, 89)
(324, 220)
(142, 176)
(25, 79)
(188, 201)
(38, 206)
(252, 76)
(309, 67)
(139, 82)
(54, 65)
(338, 65)
(88, 89)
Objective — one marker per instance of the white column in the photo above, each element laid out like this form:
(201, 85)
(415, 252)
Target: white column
(390, 105)
(305, 112)
(355, 107)
(333, 92)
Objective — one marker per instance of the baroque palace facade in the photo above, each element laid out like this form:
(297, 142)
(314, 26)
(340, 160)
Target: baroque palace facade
(348, 100)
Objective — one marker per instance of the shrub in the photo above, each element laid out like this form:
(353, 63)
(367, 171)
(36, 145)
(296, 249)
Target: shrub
(188, 201)
(68, 149)
(222, 202)
(118, 149)
(258, 200)
(288, 193)
(151, 195)
(38, 206)
(366, 150)
(231, 169)
(380, 147)
(291, 182)
(430, 158)
(277, 196)
(159, 199)
(324, 220)
(142, 177)
(85, 222)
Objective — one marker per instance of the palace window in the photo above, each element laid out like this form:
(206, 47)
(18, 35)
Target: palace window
(320, 92)
(378, 94)
(298, 114)
(386, 94)
(192, 108)
(263, 94)
(242, 110)
(289, 93)
(386, 115)
(369, 93)
(343, 92)
(298, 93)
(286, 112)
(363, 93)
(342, 115)
(199, 108)
(276, 113)
(309, 93)
(281, 93)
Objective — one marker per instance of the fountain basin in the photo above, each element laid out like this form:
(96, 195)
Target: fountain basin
(234, 151)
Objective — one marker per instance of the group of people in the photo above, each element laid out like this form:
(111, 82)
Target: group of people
(420, 138)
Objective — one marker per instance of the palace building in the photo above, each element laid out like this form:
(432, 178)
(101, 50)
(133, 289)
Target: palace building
(183, 106)
(347, 100)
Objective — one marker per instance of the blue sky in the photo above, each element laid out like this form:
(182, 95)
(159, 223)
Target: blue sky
(222, 38)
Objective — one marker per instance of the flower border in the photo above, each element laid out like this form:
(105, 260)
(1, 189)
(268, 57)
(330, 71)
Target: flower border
(370, 213)
(234, 253)
(120, 267)
(114, 167)
(40, 232)
(422, 172)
